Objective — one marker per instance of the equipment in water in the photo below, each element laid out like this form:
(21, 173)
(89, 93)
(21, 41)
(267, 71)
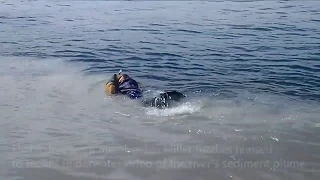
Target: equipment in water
(164, 100)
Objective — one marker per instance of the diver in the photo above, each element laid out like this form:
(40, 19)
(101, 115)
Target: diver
(124, 84)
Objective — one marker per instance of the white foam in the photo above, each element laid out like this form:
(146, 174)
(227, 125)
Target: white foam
(185, 108)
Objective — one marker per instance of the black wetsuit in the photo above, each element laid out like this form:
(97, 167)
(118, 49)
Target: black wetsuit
(131, 88)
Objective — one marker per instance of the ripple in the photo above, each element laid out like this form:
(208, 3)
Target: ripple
(188, 31)
(156, 24)
(163, 54)
(250, 72)
(58, 134)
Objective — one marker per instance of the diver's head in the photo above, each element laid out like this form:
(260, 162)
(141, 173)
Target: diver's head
(122, 77)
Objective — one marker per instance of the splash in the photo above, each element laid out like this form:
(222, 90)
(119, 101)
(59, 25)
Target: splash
(184, 108)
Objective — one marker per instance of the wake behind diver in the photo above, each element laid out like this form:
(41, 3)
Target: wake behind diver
(124, 84)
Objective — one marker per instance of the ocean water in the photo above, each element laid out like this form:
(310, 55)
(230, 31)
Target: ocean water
(250, 70)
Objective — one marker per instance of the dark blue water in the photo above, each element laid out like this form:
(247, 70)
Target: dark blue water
(238, 57)
(268, 47)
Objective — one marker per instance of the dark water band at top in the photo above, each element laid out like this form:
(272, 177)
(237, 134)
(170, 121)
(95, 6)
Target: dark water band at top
(209, 47)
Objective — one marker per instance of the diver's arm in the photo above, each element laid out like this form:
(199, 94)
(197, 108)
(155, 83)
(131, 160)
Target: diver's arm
(112, 85)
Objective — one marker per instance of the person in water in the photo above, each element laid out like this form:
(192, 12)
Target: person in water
(124, 84)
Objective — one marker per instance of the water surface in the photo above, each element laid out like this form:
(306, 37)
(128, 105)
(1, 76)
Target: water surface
(250, 71)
